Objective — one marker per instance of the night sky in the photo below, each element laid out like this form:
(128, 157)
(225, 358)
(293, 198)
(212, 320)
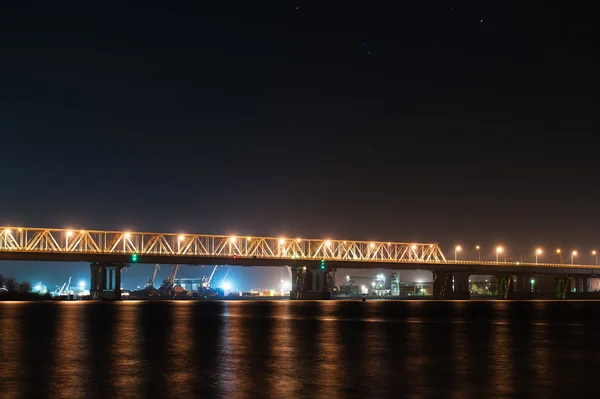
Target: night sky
(439, 121)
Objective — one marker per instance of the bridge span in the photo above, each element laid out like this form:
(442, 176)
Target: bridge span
(309, 261)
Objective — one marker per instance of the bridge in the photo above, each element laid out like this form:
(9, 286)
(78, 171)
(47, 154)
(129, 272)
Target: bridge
(309, 261)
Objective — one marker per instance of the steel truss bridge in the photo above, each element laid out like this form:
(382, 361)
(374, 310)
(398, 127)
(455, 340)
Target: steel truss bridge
(41, 244)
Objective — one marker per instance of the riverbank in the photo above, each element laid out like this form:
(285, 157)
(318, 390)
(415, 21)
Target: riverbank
(24, 297)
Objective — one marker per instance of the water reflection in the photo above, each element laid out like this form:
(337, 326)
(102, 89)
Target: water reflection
(68, 372)
(298, 349)
(10, 349)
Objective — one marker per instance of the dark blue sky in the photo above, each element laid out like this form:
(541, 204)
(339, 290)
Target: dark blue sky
(438, 121)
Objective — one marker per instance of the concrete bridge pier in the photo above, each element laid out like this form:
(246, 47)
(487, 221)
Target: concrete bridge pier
(310, 284)
(460, 287)
(563, 286)
(442, 285)
(582, 284)
(105, 281)
(505, 285)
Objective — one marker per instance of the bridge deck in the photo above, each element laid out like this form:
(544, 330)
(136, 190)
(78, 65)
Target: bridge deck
(66, 245)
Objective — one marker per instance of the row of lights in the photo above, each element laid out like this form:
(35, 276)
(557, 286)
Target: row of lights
(538, 252)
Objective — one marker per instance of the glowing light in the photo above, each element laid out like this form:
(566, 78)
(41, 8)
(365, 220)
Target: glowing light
(7, 231)
(389, 243)
(538, 251)
(328, 243)
(81, 231)
(499, 250)
(414, 247)
(371, 245)
(594, 252)
(297, 240)
(181, 237)
(477, 247)
(558, 251)
(226, 285)
(81, 285)
(232, 238)
(19, 230)
(458, 248)
(249, 238)
(69, 233)
(282, 240)
(532, 281)
(574, 253)
(128, 235)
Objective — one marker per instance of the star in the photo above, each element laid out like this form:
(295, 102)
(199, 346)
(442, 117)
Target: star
(481, 21)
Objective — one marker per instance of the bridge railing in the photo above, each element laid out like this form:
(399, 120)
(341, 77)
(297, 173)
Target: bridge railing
(34, 240)
(523, 264)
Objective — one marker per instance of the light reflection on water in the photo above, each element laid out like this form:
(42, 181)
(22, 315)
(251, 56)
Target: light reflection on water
(300, 349)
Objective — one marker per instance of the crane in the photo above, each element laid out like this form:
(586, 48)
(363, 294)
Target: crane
(150, 282)
(167, 285)
(205, 281)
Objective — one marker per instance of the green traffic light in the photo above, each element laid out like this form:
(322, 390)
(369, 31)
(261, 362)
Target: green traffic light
(134, 258)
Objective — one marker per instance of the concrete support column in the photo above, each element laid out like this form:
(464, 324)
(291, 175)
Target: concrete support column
(582, 284)
(298, 275)
(563, 285)
(105, 281)
(504, 285)
(442, 285)
(310, 284)
(461, 286)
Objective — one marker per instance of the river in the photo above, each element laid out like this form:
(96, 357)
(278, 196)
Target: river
(300, 349)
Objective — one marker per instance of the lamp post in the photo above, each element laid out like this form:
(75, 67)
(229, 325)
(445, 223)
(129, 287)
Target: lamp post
(573, 255)
(478, 248)
(456, 251)
(537, 252)
(596, 255)
(499, 250)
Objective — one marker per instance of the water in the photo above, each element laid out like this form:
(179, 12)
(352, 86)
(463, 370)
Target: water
(283, 349)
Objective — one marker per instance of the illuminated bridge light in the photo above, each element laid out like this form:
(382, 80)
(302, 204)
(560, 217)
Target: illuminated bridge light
(69, 233)
(328, 243)
(282, 241)
(128, 235)
(232, 238)
(181, 237)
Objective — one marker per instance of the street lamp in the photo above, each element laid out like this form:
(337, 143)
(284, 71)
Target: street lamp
(596, 255)
(573, 254)
(478, 252)
(499, 250)
(537, 252)
(456, 251)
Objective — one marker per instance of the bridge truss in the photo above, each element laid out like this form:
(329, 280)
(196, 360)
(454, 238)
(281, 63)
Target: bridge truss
(64, 241)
